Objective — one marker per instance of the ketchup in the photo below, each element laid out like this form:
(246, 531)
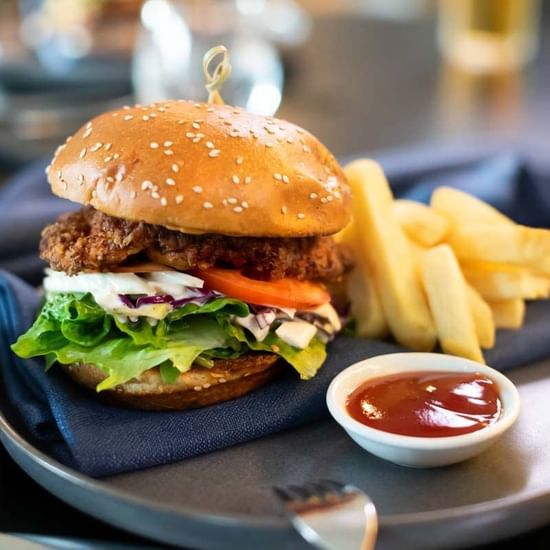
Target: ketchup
(426, 404)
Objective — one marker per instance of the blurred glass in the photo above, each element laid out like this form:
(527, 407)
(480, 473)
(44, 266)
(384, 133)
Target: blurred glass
(488, 36)
(62, 33)
(176, 34)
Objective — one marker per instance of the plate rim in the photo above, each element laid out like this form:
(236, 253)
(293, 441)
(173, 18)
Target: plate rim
(97, 485)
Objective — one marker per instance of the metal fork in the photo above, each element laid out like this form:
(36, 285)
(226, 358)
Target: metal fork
(331, 515)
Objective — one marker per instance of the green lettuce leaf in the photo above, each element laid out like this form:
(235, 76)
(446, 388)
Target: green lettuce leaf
(73, 328)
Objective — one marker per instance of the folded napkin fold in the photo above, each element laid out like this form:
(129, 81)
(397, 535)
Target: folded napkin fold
(98, 439)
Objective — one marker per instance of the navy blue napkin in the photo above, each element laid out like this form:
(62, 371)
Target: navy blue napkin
(97, 439)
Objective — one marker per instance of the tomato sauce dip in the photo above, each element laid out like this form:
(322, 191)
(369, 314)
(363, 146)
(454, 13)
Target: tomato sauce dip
(427, 403)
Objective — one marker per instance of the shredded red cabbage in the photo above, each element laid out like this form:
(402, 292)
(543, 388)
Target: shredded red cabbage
(198, 297)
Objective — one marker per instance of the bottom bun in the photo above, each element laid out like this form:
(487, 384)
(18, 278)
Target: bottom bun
(198, 387)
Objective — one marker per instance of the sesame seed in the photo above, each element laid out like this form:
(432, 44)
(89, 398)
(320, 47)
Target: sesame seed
(313, 195)
(228, 123)
(269, 145)
(337, 194)
(247, 179)
(87, 133)
(270, 130)
(128, 117)
(210, 145)
(126, 107)
(197, 189)
(110, 179)
(289, 140)
(163, 201)
(330, 198)
(239, 160)
(323, 200)
(155, 195)
(306, 149)
(153, 115)
(154, 145)
(238, 209)
(96, 146)
(83, 153)
(235, 179)
(81, 179)
(283, 210)
(168, 143)
(108, 146)
(196, 125)
(145, 108)
(155, 188)
(232, 200)
(278, 177)
(170, 181)
(214, 153)
(206, 386)
(179, 199)
(133, 195)
(285, 179)
(88, 124)
(175, 168)
(224, 202)
(145, 117)
(207, 205)
(190, 135)
(182, 121)
(161, 109)
(197, 105)
(168, 152)
(234, 133)
(59, 174)
(108, 158)
(196, 140)
(244, 204)
(210, 110)
(222, 380)
(300, 216)
(300, 131)
(199, 135)
(146, 184)
(116, 155)
(197, 388)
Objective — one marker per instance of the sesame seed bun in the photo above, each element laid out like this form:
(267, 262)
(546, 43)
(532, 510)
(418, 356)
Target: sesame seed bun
(202, 168)
(198, 387)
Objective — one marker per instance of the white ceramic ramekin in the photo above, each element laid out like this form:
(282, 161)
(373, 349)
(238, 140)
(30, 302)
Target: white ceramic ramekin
(419, 452)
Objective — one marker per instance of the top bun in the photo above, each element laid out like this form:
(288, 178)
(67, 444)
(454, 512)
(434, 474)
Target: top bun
(201, 168)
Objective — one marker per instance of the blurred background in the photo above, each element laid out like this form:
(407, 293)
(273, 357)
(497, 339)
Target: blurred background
(360, 74)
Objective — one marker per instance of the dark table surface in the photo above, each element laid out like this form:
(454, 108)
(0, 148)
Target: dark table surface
(359, 85)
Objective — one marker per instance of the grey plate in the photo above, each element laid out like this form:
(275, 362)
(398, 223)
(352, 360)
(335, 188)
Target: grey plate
(224, 499)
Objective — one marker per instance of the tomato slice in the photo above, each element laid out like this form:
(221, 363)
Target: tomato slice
(280, 293)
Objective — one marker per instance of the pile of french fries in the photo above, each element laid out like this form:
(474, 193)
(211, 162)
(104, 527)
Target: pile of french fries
(452, 272)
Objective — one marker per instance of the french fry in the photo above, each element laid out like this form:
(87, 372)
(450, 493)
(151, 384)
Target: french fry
(504, 281)
(461, 208)
(366, 308)
(448, 297)
(384, 248)
(508, 313)
(483, 318)
(420, 222)
(514, 244)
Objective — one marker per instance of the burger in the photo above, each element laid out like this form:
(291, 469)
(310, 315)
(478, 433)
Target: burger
(197, 266)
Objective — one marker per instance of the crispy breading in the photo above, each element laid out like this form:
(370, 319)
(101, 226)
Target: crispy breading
(89, 240)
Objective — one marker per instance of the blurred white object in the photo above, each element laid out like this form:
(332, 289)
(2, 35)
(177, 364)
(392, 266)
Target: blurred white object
(176, 34)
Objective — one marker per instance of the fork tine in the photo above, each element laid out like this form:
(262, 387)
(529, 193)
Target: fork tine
(282, 493)
(331, 485)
